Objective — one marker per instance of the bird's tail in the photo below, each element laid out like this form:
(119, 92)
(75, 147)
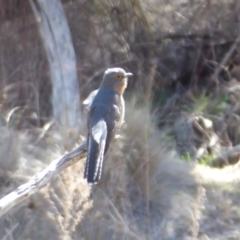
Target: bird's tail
(96, 146)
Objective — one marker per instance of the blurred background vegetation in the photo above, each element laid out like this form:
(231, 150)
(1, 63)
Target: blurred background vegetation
(182, 120)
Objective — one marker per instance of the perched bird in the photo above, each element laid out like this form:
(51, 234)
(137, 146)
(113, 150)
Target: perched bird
(106, 115)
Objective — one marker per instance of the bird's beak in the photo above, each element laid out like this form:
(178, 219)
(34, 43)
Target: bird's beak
(129, 74)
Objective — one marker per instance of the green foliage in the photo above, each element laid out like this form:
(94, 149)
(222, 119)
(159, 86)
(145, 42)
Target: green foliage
(206, 160)
(186, 157)
(199, 103)
(213, 104)
(218, 104)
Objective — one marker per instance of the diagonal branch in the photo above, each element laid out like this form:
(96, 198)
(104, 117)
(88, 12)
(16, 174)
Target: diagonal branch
(227, 56)
(41, 179)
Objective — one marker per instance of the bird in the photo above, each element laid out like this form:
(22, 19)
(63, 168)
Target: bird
(105, 117)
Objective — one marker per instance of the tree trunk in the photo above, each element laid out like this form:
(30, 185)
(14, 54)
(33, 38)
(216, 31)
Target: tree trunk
(61, 57)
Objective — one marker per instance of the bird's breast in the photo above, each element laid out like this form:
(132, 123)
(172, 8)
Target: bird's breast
(120, 88)
(110, 105)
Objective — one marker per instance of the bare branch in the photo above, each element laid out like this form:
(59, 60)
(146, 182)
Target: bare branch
(41, 179)
(227, 56)
(229, 156)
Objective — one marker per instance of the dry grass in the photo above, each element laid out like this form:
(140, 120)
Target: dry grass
(185, 199)
(174, 193)
(115, 208)
(178, 200)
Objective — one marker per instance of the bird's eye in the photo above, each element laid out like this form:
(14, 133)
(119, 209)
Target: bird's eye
(118, 76)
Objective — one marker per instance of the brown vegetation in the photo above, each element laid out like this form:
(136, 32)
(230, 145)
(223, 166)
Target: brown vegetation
(162, 179)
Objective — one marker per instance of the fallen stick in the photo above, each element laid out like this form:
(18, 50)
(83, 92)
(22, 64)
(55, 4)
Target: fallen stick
(41, 179)
(228, 157)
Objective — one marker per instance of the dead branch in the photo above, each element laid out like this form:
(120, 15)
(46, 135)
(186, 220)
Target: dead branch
(196, 37)
(178, 36)
(229, 156)
(41, 179)
(227, 56)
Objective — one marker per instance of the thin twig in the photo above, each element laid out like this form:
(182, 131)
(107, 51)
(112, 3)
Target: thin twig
(227, 57)
(152, 72)
(9, 232)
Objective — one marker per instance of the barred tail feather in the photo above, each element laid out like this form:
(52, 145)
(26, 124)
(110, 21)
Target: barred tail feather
(96, 146)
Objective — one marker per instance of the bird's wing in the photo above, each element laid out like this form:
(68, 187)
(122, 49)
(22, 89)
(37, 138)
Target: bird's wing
(88, 101)
(97, 137)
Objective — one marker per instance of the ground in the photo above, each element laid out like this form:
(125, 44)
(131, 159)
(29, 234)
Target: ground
(146, 192)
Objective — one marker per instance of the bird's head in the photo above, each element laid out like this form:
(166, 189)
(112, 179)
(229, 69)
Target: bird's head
(116, 78)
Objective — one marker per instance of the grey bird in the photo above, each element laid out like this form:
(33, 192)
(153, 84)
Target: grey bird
(106, 115)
